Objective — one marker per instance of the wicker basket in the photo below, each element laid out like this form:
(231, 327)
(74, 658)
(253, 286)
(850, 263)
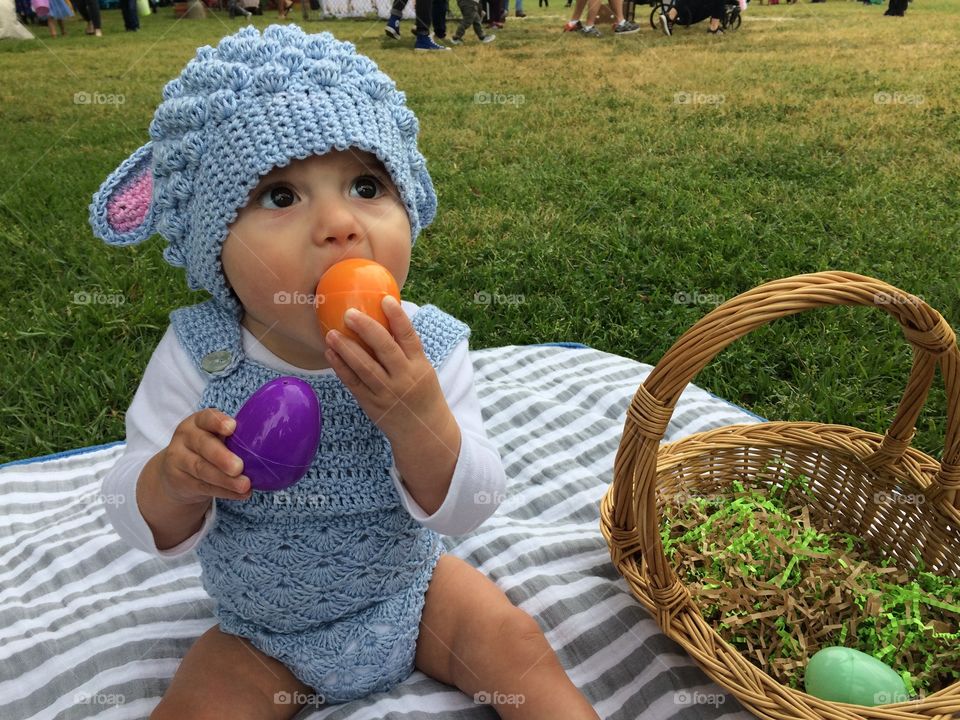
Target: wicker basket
(855, 477)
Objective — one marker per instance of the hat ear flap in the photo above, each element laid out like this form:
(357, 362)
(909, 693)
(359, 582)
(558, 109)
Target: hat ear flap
(122, 209)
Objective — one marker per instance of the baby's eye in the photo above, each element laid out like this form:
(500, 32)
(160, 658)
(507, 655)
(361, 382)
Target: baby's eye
(277, 197)
(367, 187)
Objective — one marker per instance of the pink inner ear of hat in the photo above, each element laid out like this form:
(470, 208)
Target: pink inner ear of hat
(127, 209)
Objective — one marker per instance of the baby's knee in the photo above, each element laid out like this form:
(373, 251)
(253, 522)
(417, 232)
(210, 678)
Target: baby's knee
(516, 624)
(519, 636)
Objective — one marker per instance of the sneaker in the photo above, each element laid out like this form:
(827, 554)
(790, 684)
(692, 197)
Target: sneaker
(425, 43)
(498, 24)
(665, 24)
(521, 14)
(591, 32)
(488, 38)
(393, 27)
(457, 41)
(573, 26)
(625, 28)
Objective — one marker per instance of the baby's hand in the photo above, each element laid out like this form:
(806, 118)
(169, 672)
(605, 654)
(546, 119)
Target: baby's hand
(198, 466)
(396, 386)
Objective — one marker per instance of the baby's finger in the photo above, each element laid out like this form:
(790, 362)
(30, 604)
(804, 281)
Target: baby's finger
(212, 449)
(216, 422)
(364, 368)
(217, 491)
(401, 328)
(347, 376)
(375, 335)
(208, 459)
(213, 480)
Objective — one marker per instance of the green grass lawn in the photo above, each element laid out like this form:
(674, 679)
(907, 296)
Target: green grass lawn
(604, 191)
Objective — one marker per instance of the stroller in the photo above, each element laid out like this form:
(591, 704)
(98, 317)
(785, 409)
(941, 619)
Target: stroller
(690, 12)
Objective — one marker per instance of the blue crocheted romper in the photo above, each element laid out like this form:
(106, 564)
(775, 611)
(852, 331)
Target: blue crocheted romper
(328, 576)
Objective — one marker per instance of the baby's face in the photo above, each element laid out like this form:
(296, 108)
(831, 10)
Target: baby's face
(298, 221)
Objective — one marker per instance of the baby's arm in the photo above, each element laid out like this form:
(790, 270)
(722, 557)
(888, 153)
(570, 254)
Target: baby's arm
(478, 484)
(399, 391)
(169, 391)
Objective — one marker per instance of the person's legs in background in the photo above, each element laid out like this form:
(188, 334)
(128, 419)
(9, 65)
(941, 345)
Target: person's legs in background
(495, 18)
(593, 9)
(617, 7)
(468, 14)
(81, 7)
(896, 8)
(93, 12)
(478, 29)
(491, 12)
(438, 12)
(236, 8)
(393, 23)
(129, 9)
(716, 13)
(574, 23)
(90, 11)
(423, 10)
(622, 25)
(47, 19)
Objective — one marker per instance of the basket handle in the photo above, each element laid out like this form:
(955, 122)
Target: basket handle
(634, 504)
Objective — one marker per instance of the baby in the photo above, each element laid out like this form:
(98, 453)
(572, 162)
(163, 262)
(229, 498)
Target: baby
(271, 158)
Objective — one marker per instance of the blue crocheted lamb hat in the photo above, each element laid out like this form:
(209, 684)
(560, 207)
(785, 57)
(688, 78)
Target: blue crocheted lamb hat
(239, 110)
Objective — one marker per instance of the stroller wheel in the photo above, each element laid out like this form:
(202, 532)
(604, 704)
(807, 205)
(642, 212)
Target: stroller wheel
(733, 20)
(655, 17)
(682, 19)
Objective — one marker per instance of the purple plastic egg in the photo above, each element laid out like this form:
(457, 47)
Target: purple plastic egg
(277, 433)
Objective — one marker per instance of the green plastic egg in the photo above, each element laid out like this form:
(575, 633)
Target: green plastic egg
(840, 674)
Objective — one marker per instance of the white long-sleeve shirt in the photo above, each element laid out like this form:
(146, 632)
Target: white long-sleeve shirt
(172, 386)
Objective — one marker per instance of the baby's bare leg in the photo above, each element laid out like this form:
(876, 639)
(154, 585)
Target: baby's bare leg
(224, 676)
(473, 637)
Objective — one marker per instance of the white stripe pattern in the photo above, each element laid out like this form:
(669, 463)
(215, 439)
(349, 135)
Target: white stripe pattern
(92, 628)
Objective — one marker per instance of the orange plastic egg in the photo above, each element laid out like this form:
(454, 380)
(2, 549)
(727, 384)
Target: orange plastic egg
(354, 283)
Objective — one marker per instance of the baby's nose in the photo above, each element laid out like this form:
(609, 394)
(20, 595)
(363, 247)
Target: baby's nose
(336, 223)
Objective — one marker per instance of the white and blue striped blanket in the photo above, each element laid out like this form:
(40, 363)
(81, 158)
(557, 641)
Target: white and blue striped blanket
(92, 628)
